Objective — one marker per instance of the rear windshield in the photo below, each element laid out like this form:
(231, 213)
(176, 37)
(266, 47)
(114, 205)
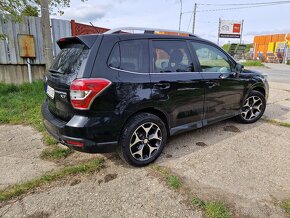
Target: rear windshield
(70, 59)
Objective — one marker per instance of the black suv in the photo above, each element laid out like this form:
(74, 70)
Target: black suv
(129, 92)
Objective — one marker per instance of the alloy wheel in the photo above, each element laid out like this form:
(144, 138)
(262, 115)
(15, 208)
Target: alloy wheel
(252, 108)
(145, 141)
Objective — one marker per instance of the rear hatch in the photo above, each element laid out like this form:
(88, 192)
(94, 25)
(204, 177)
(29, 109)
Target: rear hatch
(68, 65)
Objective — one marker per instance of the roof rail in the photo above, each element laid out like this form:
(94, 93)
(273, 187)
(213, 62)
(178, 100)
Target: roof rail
(149, 30)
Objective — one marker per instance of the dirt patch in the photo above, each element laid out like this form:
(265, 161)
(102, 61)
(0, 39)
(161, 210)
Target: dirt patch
(168, 155)
(40, 214)
(110, 177)
(201, 144)
(231, 129)
(285, 109)
(75, 182)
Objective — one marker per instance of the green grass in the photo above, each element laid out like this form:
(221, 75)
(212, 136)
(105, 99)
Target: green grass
(212, 209)
(55, 152)
(286, 206)
(21, 104)
(198, 202)
(278, 123)
(172, 181)
(19, 189)
(288, 62)
(252, 63)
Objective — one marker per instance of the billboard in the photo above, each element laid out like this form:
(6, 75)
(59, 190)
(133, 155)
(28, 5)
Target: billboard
(230, 29)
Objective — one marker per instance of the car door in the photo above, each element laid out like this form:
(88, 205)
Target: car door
(177, 87)
(224, 90)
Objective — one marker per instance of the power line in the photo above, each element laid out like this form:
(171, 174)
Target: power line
(255, 3)
(236, 8)
(243, 7)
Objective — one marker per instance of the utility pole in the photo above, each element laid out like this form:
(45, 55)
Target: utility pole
(193, 19)
(46, 33)
(242, 28)
(180, 15)
(218, 40)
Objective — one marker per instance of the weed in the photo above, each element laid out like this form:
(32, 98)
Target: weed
(286, 205)
(55, 152)
(172, 180)
(278, 123)
(216, 210)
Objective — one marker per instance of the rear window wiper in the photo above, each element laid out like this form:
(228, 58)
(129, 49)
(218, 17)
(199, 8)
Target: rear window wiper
(55, 71)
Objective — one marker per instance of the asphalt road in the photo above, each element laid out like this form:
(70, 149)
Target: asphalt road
(276, 72)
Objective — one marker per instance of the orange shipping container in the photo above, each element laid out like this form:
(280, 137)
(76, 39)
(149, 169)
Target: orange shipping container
(268, 39)
(281, 37)
(262, 40)
(256, 39)
(275, 38)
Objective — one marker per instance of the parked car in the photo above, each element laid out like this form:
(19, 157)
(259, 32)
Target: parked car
(129, 92)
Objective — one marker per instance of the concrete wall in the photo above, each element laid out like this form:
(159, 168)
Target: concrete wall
(18, 73)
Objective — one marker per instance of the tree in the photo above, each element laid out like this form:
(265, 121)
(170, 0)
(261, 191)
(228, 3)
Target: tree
(20, 8)
(30, 10)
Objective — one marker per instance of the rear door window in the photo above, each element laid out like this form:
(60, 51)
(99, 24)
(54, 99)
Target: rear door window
(171, 56)
(70, 59)
(131, 55)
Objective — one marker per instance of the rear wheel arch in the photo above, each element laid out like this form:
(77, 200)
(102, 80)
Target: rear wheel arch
(162, 115)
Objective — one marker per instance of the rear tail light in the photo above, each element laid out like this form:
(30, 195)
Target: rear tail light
(84, 91)
(75, 143)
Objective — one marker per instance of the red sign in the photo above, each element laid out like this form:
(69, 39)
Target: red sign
(236, 28)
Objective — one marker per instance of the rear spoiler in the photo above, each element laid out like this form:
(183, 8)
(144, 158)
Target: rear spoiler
(87, 40)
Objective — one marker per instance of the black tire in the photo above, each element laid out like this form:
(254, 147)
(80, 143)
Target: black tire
(132, 132)
(242, 117)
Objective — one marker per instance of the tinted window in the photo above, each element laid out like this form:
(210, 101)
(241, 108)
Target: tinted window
(171, 56)
(130, 55)
(70, 59)
(211, 59)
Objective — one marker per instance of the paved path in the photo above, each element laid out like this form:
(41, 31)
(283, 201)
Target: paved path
(276, 72)
(20, 147)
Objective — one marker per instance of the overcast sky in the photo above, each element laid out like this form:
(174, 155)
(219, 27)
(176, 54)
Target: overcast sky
(165, 14)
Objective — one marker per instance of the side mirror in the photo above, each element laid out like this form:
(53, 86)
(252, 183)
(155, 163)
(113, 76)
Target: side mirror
(239, 68)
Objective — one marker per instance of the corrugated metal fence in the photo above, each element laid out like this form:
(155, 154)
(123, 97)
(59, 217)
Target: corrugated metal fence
(9, 48)
(9, 51)
(60, 29)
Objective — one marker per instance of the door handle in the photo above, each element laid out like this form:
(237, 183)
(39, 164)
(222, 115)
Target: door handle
(212, 84)
(162, 85)
(223, 76)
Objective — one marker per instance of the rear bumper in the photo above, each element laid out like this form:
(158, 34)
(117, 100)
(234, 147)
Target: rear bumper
(75, 131)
